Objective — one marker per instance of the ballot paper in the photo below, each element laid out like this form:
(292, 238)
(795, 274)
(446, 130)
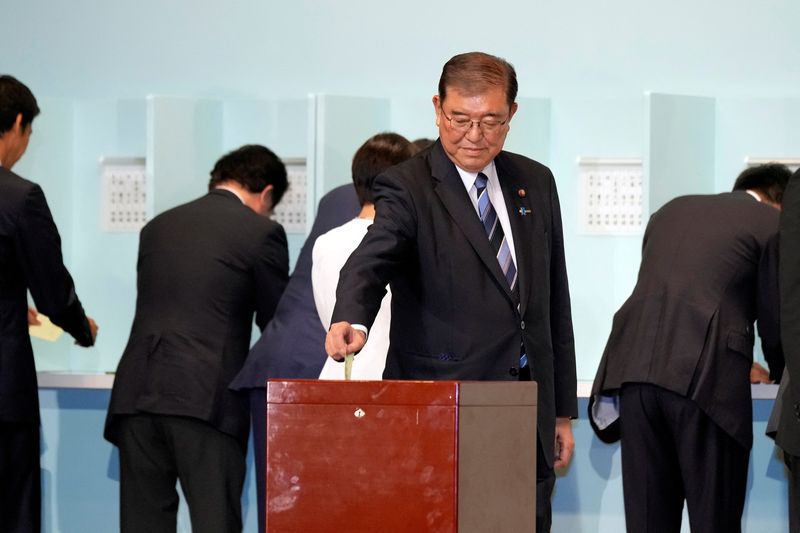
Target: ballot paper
(348, 366)
(46, 330)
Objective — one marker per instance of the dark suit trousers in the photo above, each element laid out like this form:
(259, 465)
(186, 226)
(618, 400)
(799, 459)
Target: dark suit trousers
(258, 413)
(20, 478)
(155, 452)
(545, 478)
(671, 451)
(793, 473)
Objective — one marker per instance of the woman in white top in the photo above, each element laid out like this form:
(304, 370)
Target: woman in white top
(333, 248)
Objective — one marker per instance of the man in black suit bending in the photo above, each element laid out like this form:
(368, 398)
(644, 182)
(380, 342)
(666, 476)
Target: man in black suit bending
(204, 269)
(469, 238)
(30, 260)
(673, 382)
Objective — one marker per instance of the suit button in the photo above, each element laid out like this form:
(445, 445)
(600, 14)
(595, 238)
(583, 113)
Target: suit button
(522, 324)
(514, 371)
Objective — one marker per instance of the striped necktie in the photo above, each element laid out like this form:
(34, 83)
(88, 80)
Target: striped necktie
(494, 231)
(499, 244)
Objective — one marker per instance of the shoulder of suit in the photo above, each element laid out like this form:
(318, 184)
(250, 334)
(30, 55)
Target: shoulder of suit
(13, 182)
(521, 161)
(15, 190)
(219, 209)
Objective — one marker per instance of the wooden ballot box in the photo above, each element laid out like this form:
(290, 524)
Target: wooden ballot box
(400, 456)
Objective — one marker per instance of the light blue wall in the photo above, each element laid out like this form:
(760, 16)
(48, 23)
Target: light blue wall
(680, 148)
(754, 127)
(243, 72)
(95, 49)
(602, 269)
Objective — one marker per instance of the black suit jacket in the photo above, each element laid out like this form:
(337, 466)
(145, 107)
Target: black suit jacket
(688, 325)
(204, 268)
(453, 315)
(787, 405)
(293, 343)
(30, 260)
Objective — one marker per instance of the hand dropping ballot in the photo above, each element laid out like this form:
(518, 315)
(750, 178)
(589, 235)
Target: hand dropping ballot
(348, 366)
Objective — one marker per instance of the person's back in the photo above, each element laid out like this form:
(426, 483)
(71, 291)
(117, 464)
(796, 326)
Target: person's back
(675, 373)
(204, 268)
(197, 292)
(330, 254)
(698, 234)
(331, 251)
(30, 260)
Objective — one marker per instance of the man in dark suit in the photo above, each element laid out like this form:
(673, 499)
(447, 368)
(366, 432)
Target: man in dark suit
(30, 260)
(293, 343)
(469, 238)
(677, 362)
(785, 419)
(204, 269)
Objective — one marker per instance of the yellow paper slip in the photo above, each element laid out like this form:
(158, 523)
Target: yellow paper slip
(46, 330)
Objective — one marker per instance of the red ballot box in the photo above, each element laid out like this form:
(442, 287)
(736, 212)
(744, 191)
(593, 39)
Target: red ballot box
(400, 456)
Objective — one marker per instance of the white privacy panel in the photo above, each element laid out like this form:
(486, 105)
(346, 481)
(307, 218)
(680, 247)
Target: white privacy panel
(792, 162)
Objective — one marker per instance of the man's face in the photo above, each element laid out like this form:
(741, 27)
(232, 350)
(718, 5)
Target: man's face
(473, 148)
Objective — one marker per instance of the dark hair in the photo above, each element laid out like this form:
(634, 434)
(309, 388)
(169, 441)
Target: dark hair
(474, 72)
(770, 180)
(380, 152)
(254, 167)
(422, 143)
(15, 99)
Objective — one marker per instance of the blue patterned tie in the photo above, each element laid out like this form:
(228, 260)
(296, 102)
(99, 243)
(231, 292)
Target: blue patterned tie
(497, 239)
(499, 244)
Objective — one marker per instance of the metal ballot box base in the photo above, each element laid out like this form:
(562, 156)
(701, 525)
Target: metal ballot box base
(400, 456)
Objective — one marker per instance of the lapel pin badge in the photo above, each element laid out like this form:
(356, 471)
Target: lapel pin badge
(522, 193)
(524, 211)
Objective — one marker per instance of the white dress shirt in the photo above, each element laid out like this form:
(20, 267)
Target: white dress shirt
(495, 196)
(331, 251)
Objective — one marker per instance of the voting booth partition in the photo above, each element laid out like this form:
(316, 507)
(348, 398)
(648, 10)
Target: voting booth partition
(400, 456)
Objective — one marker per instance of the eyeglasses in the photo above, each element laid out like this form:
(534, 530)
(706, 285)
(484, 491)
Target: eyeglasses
(463, 124)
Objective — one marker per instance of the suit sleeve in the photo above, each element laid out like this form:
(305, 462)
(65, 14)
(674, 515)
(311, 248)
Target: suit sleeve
(768, 309)
(271, 272)
(561, 317)
(789, 283)
(379, 257)
(51, 286)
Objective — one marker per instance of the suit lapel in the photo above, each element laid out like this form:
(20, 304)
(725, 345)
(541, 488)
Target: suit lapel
(518, 200)
(451, 192)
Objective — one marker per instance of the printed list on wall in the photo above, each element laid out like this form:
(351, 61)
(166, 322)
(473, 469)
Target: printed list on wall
(124, 194)
(291, 212)
(611, 196)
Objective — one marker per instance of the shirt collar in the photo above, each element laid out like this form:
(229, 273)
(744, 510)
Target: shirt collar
(754, 194)
(469, 177)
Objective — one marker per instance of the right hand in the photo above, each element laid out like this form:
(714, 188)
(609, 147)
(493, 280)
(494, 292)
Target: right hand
(759, 374)
(93, 327)
(33, 317)
(343, 339)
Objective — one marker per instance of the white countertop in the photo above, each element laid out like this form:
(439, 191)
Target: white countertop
(70, 380)
(74, 380)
